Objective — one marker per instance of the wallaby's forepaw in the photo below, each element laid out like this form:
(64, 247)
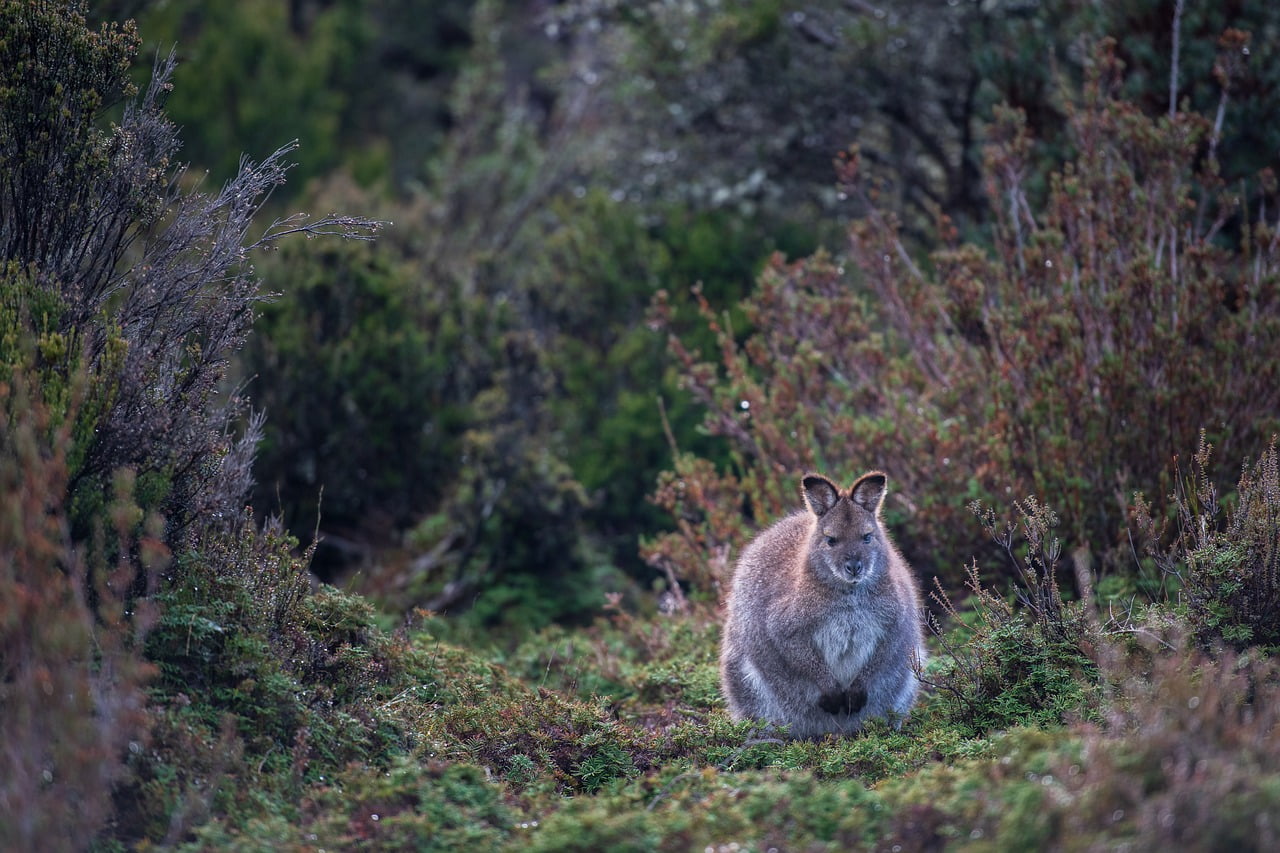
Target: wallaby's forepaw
(849, 701)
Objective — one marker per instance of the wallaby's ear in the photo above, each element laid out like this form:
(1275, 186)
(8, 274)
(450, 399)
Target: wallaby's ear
(820, 494)
(868, 492)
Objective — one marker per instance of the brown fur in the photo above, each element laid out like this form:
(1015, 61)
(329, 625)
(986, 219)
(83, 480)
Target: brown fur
(824, 621)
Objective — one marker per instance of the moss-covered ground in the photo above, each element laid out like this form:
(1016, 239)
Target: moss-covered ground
(325, 731)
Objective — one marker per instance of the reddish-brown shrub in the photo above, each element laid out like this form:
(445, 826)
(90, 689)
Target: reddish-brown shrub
(1187, 758)
(71, 676)
(1069, 355)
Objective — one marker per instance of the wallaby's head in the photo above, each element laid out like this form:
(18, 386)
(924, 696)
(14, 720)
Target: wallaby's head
(847, 541)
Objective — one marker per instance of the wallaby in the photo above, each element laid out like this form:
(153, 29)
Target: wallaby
(824, 626)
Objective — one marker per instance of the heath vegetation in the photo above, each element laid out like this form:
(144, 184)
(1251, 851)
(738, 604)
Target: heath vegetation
(423, 542)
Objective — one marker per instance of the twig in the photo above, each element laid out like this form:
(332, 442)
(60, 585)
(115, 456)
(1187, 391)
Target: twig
(666, 428)
(1217, 124)
(1173, 69)
(1142, 631)
(347, 227)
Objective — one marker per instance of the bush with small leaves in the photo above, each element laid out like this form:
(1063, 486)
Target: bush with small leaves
(1020, 662)
(123, 267)
(123, 293)
(1090, 340)
(1186, 757)
(352, 364)
(1225, 554)
(72, 678)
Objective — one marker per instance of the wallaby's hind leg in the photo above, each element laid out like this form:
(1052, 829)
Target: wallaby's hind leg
(742, 695)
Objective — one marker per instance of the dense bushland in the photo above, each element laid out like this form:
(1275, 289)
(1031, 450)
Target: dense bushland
(124, 295)
(1072, 359)
(524, 380)
(173, 675)
(71, 676)
(551, 167)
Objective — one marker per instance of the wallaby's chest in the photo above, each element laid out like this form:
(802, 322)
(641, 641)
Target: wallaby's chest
(846, 643)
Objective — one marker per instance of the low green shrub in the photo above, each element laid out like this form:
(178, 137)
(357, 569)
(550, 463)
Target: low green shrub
(632, 661)
(264, 689)
(1024, 660)
(1224, 554)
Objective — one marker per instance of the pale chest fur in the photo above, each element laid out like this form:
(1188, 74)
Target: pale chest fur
(847, 643)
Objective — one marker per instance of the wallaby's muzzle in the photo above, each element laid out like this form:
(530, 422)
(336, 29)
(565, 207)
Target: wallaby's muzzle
(852, 569)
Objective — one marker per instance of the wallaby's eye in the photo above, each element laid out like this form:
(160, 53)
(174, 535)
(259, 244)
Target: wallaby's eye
(831, 541)
(866, 537)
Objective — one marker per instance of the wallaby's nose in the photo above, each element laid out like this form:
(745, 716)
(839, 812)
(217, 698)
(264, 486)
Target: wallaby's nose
(854, 566)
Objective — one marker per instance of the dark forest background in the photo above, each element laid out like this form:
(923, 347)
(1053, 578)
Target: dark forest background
(387, 388)
(469, 412)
